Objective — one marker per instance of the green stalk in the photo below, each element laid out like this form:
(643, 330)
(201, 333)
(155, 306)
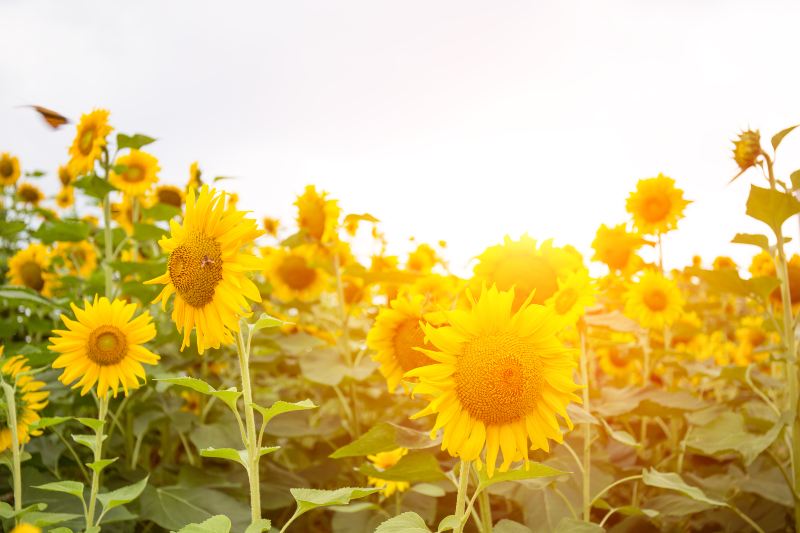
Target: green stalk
(252, 446)
(587, 429)
(485, 507)
(16, 471)
(461, 497)
(98, 456)
(345, 340)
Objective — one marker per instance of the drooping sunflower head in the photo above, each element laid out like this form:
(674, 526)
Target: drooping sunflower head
(169, 195)
(654, 301)
(271, 226)
(207, 269)
(656, 205)
(90, 139)
(573, 296)
(31, 268)
(500, 378)
(29, 194)
(747, 148)
(382, 461)
(317, 215)
(65, 197)
(65, 176)
(80, 257)
(29, 398)
(103, 346)
(138, 171)
(195, 181)
(616, 247)
(9, 169)
(395, 337)
(526, 267)
(294, 273)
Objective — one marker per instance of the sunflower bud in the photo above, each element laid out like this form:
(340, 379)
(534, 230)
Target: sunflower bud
(747, 149)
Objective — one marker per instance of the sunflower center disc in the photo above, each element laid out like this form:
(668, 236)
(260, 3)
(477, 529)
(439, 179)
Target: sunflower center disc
(407, 337)
(133, 174)
(29, 194)
(6, 168)
(655, 300)
(86, 142)
(656, 208)
(107, 345)
(169, 197)
(32, 275)
(195, 268)
(527, 274)
(565, 300)
(295, 272)
(498, 379)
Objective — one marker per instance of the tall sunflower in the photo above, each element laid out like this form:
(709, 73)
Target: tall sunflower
(207, 269)
(526, 267)
(293, 274)
(395, 337)
(573, 296)
(103, 346)
(382, 461)
(139, 171)
(616, 247)
(65, 176)
(31, 268)
(317, 215)
(122, 212)
(654, 301)
(29, 194)
(65, 197)
(90, 140)
(9, 169)
(656, 205)
(169, 195)
(500, 379)
(79, 257)
(28, 397)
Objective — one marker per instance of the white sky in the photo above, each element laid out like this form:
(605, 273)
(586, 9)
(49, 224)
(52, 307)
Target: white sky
(456, 120)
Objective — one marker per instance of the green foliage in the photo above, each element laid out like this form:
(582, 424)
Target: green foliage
(135, 141)
(771, 206)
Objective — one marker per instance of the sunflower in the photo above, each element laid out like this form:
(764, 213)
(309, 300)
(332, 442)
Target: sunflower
(317, 216)
(438, 290)
(793, 269)
(422, 260)
(29, 194)
(28, 397)
(294, 274)
(169, 195)
(395, 337)
(382, 461)
(9, 169)
(194, 177)
(26, 528)
(656, 205)
(139, 171)
(762, 265)
(271, 226)
(65, 197)
(616, 247)
(90, 140)
(79, 257)
(31, 268)
(620, 362)
(524, 266)
(65, 176)
(122, 212)
(207, 269)
(573, 296)
(104, 347)
(724, 262)
(500, 379)
(654, 301)
(747, 149)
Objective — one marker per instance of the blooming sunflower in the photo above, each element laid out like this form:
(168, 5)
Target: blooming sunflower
(26, 528)
(90, 140)
(724, 262)
(573, 296)
(500, 379)
(656, 205)
(294, 274)
(762, 265)
(422, 260)
(526, 267)
(103, 346)
(271, 226)
(317, 215)
(31, 268)
(9, 169)
(207, 269)
(616, 247)
(65, 176)
(139, 171)
(28, 397)
(65, 197)
(654, 301)
(29, 194)
(122, 212)
(194, 177)
(395, 337)
(80, 257)
(382, 461)
(169, 195)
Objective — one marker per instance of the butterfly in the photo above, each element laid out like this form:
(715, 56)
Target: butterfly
(53, 119)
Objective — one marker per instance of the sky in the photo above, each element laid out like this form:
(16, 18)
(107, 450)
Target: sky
(460, 121)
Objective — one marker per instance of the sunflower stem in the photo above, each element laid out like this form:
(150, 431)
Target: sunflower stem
(109, 249)
(485, 509)
(345, 340)
(251, 443)
(461, 497)
(16, 471)
(587, 428)
(98, 456)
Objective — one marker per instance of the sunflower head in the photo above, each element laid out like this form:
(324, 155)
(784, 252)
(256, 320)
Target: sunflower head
(724, 262)
(29, 399)
(747, 148)
(169, 195)
(575, 293)
(31, 268)
(207, 269)
(654, 301)
(317, 215)
(103, 346)
(79, 257)
(89, 142)
(620, 360)
(382, 461)
(656, 205)
(294, 274)
(29, 194)
(26, 528)
(9, 169)
(422, 259)
(616, 247)
(195, 181)
(271, 226)
(122, 213)
(762, 265)
(65, 176)
(65, 197)
(135, 173)
(500, 378)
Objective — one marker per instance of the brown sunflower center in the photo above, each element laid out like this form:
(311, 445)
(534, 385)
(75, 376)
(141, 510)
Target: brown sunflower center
(64, 176)
(656, 207)
(29, 194)
(134, 173)
(407, 337)
(195, 268)
(107, 345)
(655, 299)
(527, 274)
(6, 168)
(565, 300)
(32, 277)
(498, 378)
(169, 197)
(86, 141)
(295, 272)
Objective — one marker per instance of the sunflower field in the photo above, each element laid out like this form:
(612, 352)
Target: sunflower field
(169, 362)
